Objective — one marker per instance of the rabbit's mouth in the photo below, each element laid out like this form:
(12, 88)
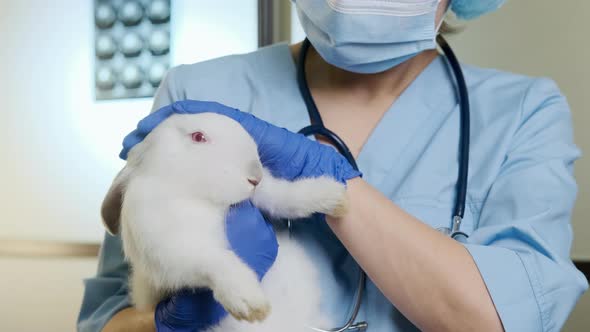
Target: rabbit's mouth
(254, 181)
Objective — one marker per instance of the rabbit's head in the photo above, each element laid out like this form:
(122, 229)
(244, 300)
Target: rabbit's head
(202, 156)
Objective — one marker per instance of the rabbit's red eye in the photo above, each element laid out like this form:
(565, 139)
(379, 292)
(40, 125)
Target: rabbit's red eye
(198, 137)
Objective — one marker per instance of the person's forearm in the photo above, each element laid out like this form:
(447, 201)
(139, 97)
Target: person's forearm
(131, 320)
(429, 277)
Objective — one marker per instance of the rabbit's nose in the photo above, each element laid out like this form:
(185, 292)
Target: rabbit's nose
(255, 173)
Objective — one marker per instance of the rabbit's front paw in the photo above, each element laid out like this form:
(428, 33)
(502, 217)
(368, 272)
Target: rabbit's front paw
(341, 207)
(243, 299)
(327, 196)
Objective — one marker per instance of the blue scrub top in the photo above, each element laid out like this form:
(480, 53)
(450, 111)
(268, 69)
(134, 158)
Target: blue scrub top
(519, 202)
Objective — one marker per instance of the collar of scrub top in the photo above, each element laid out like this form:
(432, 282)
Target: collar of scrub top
(470, 9)
(150, 122)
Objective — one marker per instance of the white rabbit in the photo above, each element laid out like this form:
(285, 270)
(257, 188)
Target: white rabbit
(170, 202)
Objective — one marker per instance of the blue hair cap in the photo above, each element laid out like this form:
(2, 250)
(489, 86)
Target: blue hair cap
(470, 9)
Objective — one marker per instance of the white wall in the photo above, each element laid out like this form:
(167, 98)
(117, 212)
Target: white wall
(40, 294)
(58, 147)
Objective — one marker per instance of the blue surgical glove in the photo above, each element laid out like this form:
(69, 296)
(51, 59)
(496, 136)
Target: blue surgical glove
(253, 240)
(286, 154)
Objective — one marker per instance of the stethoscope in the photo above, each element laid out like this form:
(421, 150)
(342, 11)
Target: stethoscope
(317, 128)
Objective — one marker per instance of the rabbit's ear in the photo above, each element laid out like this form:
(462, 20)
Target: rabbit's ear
(111, 206)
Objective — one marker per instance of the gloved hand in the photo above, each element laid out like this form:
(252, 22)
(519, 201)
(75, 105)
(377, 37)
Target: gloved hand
(253, 240)
(286, 154)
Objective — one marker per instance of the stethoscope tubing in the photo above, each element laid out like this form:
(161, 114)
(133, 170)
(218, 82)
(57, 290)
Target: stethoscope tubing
(317, 127)
(465, 111)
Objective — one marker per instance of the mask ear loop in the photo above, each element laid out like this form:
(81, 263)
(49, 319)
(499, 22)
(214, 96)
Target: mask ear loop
(442, 20)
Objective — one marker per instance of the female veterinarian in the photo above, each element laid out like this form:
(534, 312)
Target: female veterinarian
(438, 255)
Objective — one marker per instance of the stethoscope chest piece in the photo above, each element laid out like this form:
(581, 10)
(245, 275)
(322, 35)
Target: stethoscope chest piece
(455, 231)
(358, 327)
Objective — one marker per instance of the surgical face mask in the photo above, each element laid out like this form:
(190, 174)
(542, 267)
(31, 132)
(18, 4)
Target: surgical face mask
(368, 36)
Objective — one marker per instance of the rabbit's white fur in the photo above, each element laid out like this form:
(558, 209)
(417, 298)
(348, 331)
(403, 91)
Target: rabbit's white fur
(170, 202)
